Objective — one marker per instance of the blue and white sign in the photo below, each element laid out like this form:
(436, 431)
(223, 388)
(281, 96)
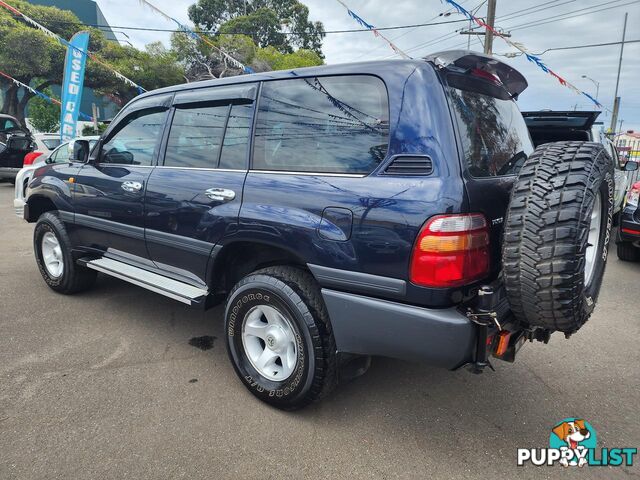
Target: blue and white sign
(74, 67)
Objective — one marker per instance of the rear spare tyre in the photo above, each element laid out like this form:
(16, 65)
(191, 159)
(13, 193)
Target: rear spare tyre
(557, 234)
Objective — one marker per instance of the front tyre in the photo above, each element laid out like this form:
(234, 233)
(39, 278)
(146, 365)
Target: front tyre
(55, 261)
(279, 337)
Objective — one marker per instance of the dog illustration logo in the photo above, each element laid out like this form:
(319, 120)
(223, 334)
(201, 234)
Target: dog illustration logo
(573, 443)
(573, 437)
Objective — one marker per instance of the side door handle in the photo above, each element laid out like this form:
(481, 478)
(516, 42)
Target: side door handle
(132, 187)
(220, 194)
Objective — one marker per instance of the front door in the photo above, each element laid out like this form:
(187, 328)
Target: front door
(193, 197)
(109, 189)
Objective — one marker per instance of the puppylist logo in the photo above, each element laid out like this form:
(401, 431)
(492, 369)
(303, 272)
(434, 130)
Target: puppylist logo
(573, 443)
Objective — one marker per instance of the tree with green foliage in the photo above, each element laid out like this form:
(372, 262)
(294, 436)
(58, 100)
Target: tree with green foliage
(272, 29)
(36, 59)
(282, 24)
(44, 115)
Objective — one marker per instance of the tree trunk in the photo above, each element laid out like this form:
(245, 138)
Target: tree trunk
(14, 105)
(10, 105)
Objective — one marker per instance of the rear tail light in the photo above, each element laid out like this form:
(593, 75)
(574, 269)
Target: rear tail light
(30, 157)
(633, 197)
(451, 250)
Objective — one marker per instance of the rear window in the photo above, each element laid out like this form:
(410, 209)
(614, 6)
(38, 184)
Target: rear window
(495, 138)
(322, 124)
(51, 143)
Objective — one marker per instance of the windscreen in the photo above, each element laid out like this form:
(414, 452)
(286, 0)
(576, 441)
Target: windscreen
(495, 138)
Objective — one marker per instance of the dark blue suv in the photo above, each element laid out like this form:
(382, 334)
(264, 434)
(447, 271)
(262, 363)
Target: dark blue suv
(385, 208)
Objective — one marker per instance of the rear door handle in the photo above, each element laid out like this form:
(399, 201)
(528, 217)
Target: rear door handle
(220, 194)
(132, 187)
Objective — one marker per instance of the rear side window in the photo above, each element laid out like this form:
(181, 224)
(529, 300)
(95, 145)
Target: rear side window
(196, 136)
(322, 124)
(495, 138)
(210, 136)
(236, 137)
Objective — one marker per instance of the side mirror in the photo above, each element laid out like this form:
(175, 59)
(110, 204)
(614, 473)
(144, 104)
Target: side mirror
(631, 166)
(79, 151)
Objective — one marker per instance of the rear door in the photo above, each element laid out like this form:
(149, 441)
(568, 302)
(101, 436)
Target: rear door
(109, 189)
(193, 197)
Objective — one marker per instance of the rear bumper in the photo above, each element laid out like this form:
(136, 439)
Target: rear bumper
(370, 326)
(630, 225)
(8, 173)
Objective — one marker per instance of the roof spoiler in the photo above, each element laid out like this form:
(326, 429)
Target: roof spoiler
(465, 61)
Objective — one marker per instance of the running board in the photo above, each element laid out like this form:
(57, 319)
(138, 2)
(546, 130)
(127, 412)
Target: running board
(180, 291)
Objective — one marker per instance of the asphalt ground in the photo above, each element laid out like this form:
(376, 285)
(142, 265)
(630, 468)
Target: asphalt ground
(119, 382)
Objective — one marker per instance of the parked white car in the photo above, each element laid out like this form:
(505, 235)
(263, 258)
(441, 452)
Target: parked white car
(61, 154)
(552, 126)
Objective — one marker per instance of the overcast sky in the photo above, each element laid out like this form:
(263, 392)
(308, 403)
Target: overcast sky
(572, 29)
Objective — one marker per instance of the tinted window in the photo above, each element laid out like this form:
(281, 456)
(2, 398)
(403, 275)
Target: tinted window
(196, 136)
(8, 124)
(135, 139)
(236, 138)
(324, 124)
(51, 143)
(495, 139)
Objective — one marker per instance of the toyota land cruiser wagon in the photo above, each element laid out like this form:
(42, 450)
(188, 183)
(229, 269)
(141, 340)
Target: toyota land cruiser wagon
(393, 208)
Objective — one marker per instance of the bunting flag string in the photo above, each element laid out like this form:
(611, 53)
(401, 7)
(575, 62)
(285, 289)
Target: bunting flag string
(90, 55)
(197, 36)
(44, 96)
(373, 29)
(530, 57)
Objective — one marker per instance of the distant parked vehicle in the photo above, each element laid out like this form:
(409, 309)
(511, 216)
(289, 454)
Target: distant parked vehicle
(552, 126)
(628, 241)
(15, 142)
(58, 154)
(44, 144)
(11, 126)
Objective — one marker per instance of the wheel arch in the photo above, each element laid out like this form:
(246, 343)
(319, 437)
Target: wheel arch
(37, 205)
(234, 260)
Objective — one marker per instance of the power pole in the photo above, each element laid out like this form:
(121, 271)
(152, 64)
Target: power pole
(616, 98)
(491, 18)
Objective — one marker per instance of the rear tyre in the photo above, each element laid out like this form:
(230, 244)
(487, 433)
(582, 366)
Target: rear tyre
(557, 234)
(55, 261)
(628, 252)
(279, 337)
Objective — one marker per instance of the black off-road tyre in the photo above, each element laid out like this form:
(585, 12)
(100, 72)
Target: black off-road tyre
(546, 232)
(74, 278)
(628, 252)
(294, 293)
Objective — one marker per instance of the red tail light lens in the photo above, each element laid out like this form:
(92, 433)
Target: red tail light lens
(633, 197)
(451, 250)
(30, 157)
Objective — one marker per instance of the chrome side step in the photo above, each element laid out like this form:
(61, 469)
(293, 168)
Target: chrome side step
(180, 291)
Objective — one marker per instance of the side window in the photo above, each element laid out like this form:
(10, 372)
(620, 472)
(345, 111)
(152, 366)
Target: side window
(135, 138)
(236, 138)
(323, 124)
(196, 136)
(61, 155)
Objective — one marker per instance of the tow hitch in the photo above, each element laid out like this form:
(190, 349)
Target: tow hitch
(498, 335)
